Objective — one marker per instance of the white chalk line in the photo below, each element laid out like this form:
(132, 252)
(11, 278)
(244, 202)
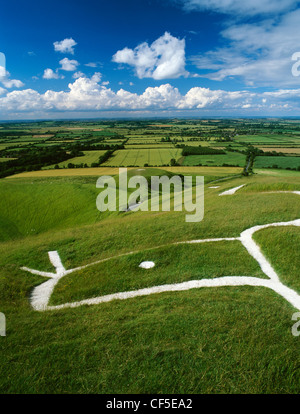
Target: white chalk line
(55, 260)
(232, 190)
(290, 295)
(41, 294)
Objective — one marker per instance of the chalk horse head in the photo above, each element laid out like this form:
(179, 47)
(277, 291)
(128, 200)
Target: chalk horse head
(41, 294)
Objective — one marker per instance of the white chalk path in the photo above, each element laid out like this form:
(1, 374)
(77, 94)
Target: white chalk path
(41, 294)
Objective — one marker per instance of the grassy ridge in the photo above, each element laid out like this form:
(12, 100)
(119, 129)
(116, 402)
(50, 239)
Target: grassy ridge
(33, 207)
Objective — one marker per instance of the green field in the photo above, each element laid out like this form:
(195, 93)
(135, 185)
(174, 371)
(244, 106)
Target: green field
(267, 139)
(209, 172)
(140, 157)
(231, 158)
(281, 162)
(88, 158)
(151, 145)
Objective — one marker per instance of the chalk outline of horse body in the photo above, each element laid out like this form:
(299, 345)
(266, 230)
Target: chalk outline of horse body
(41, 294)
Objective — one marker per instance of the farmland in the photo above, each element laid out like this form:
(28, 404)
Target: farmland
(234, 159)
(140, 157)
(90, 144)
(280, 162)
(88, 158)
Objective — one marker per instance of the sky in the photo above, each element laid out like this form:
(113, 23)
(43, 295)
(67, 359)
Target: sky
(149, 58)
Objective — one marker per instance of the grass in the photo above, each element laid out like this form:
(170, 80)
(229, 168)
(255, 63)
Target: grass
(278, 245)
(6, 159)
(140, 157)
(194, 342)
(173, 264)
(88, 158)
(35, 200)
(79, 172)
(285, 150)
(231, 158)
(210, 340)
(281, 162)
(67, 172)
(277, 172)
(265, 139)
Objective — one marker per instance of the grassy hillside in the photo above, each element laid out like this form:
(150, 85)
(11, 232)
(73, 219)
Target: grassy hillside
(196, 341)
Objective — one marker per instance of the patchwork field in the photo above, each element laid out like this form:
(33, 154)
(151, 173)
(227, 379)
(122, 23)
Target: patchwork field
(140, 157)
(88, 158)
(288, 150)
(140, 143)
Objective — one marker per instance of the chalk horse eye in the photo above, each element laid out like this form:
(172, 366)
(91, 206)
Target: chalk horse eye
(147, 265)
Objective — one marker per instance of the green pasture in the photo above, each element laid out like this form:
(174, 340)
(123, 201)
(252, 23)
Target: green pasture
(281, 162)
(194, 341)
(88, 158)
(140, 157)
(230, 158)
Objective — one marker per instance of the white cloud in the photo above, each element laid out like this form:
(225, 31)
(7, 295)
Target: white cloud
(91, 65)
(50, 74)
(65, 46)
(9, 83)
(200, 98)
(240, 7)
(259, 53)
(78, 74)
(68, 64)
(163, 59)
(25, 100)
(88, 94)
(12, 83)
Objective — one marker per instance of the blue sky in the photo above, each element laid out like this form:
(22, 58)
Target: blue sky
(116, 58)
